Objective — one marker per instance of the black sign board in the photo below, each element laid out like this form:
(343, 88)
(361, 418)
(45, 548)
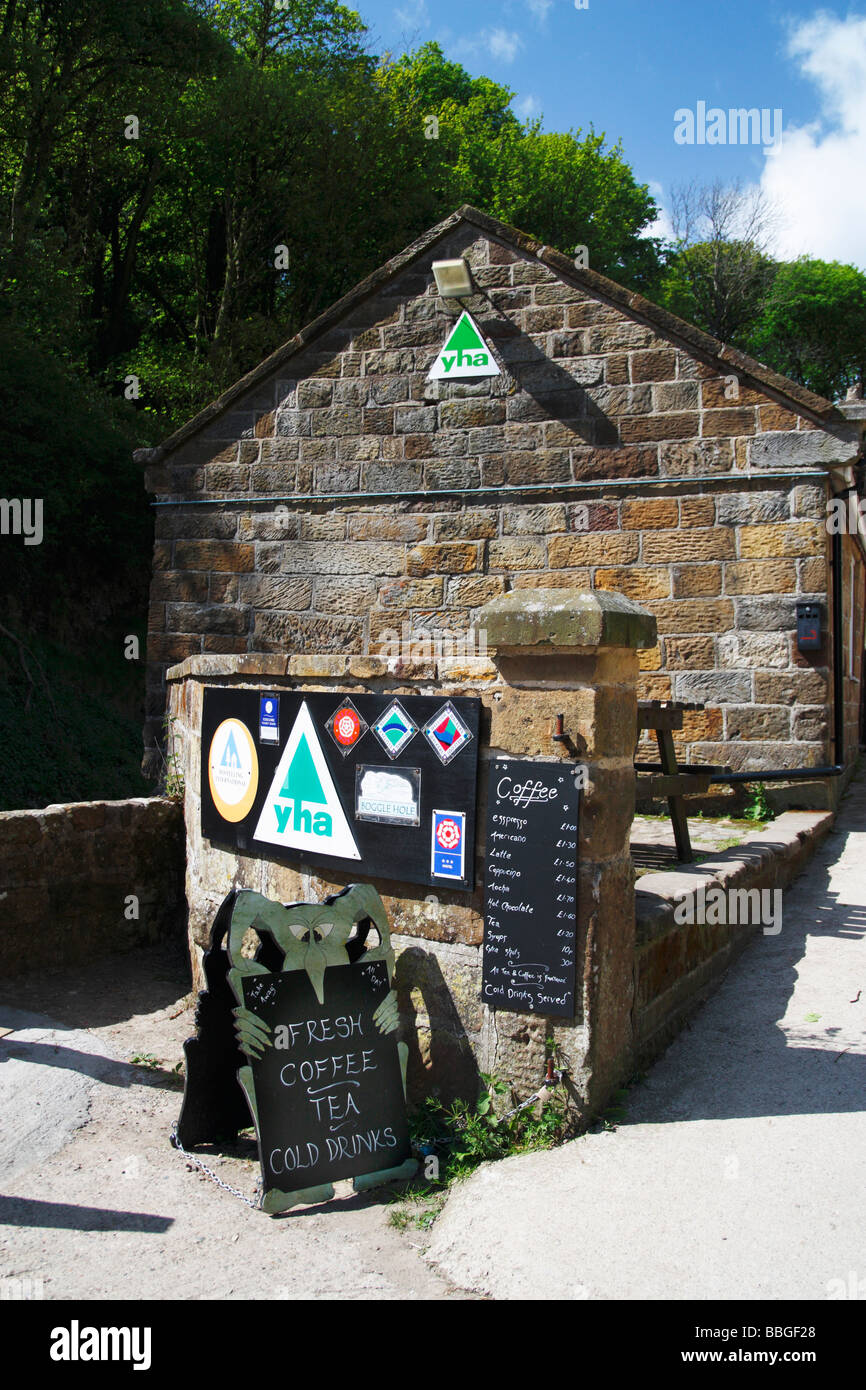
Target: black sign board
(330, 1098)
(530, 911)
(377, 785)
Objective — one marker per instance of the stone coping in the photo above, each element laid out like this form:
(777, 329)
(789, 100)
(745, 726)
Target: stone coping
(773, 855)
(331, 667)
(566, 618)
(564, 622)
(92, 811)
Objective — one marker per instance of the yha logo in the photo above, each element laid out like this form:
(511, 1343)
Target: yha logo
(303, 784)
(463, 354)
(465, 359)
(302, 809)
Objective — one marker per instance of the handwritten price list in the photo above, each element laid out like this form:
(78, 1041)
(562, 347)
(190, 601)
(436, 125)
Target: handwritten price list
(530, 911)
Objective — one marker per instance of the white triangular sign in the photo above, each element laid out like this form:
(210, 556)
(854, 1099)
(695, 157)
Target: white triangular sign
(302, 809)
(465, 354)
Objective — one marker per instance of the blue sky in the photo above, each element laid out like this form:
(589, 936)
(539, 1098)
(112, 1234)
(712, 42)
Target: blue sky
(626, 67)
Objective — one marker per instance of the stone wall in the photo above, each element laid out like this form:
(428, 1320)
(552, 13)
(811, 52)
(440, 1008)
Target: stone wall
(678, 965)
(853, 596)
(534, 674)
(598, 388)
(69, 875)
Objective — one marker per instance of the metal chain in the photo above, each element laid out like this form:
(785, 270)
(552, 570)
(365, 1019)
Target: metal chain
(254, 1203)
(524, 1103)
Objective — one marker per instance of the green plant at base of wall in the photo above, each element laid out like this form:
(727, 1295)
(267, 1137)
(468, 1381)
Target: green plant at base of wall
(757, 806)
(465, 1134)
(173, 783)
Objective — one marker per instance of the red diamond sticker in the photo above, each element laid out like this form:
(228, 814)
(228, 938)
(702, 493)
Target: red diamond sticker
(346, 726)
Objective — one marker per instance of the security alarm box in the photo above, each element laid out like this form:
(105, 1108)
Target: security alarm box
(810, 637)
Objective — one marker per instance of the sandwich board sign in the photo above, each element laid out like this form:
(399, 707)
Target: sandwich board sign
(465, 354)
(324, 1074)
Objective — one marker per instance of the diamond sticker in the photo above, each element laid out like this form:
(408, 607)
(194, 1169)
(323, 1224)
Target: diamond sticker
(394, 729)
(446, 733)
(346, 726)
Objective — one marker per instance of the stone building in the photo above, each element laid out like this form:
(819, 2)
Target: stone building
(336, 497)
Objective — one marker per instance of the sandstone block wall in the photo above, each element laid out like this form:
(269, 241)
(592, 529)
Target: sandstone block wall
(588, 395)
(438, 934)
(68, 874)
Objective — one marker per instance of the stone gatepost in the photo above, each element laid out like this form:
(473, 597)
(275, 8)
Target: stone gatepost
(575, 653)
(549, 652)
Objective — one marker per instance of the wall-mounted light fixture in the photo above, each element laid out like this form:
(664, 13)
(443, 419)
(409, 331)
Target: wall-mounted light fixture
(453, 278)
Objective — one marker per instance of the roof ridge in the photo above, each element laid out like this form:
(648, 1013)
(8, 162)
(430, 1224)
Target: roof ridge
(693, 339)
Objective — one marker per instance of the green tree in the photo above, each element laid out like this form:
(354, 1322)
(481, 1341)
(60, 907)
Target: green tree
(56, 56)
(718, 269)
(812, 325)
(566, 189)
(569, 190)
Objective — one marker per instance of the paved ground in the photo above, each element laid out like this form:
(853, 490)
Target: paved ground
(739, 1171)
(97, 1204)
(653, 846)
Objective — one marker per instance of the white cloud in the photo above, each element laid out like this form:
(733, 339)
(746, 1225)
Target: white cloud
(413, 15)
(539, 9)
(814, 177)
(527, 107)
(662, 226)
(501, 44)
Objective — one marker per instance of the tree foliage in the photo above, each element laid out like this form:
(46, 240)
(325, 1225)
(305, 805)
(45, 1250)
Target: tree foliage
(812, 325)
(274, 162)
(567, 189)
(719, 269)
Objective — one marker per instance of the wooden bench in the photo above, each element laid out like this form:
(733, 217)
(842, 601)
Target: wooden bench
(667, 778)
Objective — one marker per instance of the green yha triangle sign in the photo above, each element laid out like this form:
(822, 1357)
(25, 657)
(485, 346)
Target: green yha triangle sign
(465, 354)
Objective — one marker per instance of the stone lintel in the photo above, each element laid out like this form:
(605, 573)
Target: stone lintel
(541, 619)
(329, 666)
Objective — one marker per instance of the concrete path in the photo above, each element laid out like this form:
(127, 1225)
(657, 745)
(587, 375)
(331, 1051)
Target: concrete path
(46, 1077)
(94, 1201)
(740, 1170)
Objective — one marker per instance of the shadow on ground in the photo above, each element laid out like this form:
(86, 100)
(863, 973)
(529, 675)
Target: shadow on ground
(758, 1055)
(109, 990)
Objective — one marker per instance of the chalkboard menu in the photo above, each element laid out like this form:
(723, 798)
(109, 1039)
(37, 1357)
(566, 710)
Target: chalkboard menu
(328, 1090)
(530, 911)
(316, 1022)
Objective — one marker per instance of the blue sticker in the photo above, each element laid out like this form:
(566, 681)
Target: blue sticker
(269, 719)
(448, 840)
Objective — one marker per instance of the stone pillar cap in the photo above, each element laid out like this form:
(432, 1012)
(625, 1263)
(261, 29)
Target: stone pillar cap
(555, 618)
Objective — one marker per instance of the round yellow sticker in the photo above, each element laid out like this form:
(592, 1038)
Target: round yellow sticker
(233, 770)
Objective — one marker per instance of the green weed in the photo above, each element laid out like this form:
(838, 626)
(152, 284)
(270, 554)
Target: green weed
(758, 807)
